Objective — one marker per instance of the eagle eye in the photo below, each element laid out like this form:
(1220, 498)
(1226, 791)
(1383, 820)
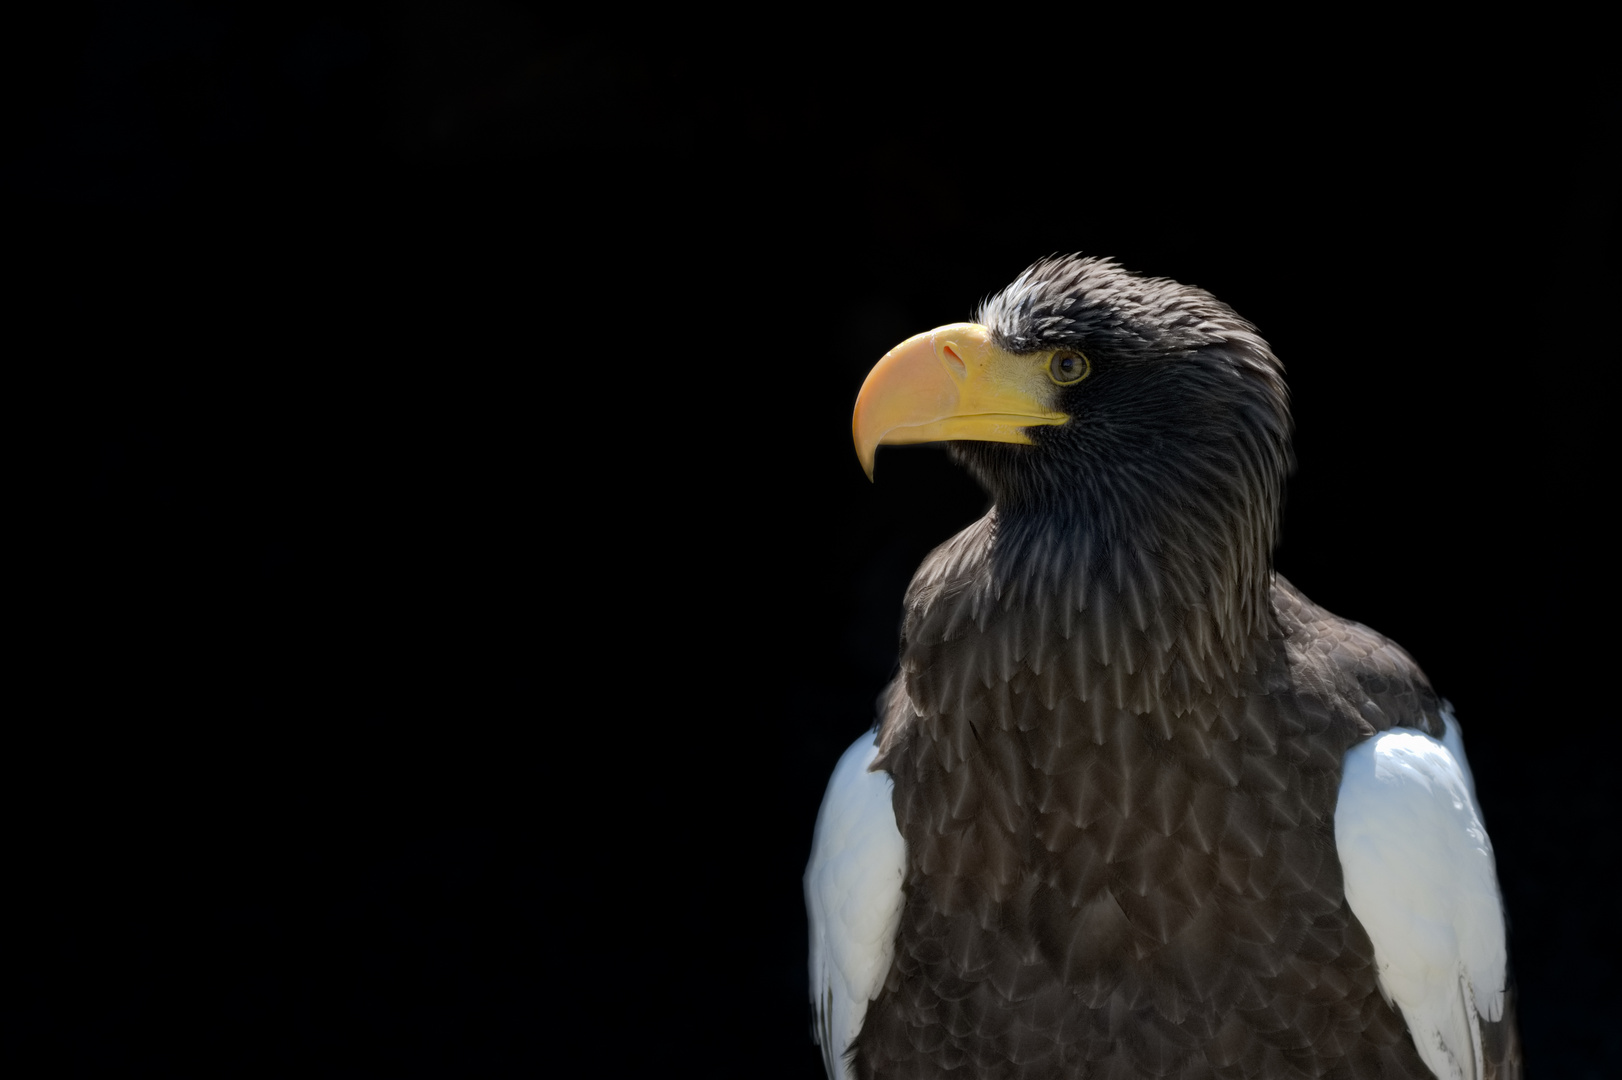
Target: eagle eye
(1067, 367)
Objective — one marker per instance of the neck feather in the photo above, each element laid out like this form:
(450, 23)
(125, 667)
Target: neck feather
(1148, 597)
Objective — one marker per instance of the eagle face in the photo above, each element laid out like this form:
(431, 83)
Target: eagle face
(1134, 806)
(1175, 378)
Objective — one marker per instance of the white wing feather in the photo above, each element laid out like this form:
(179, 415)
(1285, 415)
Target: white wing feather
(853, 898)
(1419, 876)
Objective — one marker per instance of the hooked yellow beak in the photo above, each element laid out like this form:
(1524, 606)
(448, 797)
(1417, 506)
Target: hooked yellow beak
(949, 383)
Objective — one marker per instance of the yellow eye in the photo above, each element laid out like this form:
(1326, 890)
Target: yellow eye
(1068, 366)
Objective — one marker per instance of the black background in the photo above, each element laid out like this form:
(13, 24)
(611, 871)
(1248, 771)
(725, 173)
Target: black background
(444, 578)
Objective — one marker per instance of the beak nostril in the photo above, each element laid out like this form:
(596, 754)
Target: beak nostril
(957, 361)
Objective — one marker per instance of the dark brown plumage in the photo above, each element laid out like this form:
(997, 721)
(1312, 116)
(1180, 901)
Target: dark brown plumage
(1117, 736)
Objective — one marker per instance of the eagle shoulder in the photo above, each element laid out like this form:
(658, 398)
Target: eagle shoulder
(1419, 876)
(1416, 862)
(853, 898)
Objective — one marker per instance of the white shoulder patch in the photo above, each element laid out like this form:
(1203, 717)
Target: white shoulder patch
(853, 898)
(1420, 877)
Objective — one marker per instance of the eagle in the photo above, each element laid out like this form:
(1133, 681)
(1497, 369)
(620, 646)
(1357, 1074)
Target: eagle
(1133, 805)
